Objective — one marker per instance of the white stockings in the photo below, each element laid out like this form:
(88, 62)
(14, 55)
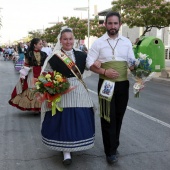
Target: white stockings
(66, 155)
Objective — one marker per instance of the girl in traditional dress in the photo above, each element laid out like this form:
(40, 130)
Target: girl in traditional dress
(23, 96)
(72, 129)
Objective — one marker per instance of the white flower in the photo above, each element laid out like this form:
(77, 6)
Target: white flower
(137, 62)
(149, 61)
(142, 56)
(138, 86)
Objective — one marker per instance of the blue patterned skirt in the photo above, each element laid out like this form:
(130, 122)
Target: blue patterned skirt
(19, 64)
(70, 130)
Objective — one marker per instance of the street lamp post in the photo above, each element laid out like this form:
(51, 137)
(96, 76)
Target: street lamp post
(88, 24)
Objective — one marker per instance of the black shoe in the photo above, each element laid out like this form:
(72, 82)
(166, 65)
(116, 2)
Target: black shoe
(67, 161)
(111, 159)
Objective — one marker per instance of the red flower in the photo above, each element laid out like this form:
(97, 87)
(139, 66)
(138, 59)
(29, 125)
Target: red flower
(44, 73)
(52, 74)
(64, 80)
(49, 84)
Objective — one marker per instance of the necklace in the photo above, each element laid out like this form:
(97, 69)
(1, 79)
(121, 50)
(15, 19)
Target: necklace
(113, 48)
(37, 57)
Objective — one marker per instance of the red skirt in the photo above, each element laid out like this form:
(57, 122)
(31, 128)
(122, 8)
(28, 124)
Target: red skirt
(26, 100)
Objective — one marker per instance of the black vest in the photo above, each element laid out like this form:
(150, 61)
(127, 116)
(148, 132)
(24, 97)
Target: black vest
(32, 60)
(59, 66)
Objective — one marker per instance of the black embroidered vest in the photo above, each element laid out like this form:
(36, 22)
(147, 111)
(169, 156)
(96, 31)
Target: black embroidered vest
(32, 60)
(58, 65)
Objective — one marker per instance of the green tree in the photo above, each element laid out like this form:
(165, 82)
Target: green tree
(79, 27)
(50, 34)
(144, 13)
(97, 29)
(35, 34)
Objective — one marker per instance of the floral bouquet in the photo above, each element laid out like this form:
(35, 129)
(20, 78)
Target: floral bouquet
(142, 72)
(51, 86)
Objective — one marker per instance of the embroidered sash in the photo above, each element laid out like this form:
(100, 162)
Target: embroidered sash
(71, 65)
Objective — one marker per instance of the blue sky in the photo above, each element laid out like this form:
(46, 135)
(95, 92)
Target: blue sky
(21, 16)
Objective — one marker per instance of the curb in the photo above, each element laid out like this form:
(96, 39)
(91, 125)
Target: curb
(161, 80)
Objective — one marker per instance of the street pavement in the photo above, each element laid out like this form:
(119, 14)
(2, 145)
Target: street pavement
(144, 143)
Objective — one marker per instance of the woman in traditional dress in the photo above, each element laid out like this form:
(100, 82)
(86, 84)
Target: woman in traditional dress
(23, 96)
(21, 52)
(72, 129)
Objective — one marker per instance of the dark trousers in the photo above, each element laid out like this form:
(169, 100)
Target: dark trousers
(118, 104)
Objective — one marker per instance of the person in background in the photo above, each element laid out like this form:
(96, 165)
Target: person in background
(72, 129)
(84, 49)
(6, 53)
(22, 96)
(45, 48)
(1, 52)
(81, 47)
(11, 51)
(28, 45)
(21, 53)
(114, 52)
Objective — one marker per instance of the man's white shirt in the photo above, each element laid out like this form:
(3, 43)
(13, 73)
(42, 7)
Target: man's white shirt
(47, 50)
(102, 51)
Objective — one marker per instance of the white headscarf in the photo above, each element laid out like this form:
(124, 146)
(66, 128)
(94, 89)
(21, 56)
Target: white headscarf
(57, 47)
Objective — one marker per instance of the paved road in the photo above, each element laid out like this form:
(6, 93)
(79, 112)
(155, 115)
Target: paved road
(145, 143)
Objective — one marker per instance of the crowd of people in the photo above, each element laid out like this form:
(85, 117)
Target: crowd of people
(73, 128)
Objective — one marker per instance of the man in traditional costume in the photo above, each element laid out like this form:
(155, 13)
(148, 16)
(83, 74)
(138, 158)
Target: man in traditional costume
(113, 51)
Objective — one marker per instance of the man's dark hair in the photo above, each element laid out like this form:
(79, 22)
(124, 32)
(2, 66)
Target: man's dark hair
(111, 13)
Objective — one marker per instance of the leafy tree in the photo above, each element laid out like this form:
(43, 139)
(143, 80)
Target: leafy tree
(50, 34)
(144, 13)
(35, 34)
(97, 29)
(79, 26)
(27, 39)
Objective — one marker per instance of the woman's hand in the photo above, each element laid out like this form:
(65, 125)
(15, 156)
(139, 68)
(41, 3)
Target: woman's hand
(111, 73)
